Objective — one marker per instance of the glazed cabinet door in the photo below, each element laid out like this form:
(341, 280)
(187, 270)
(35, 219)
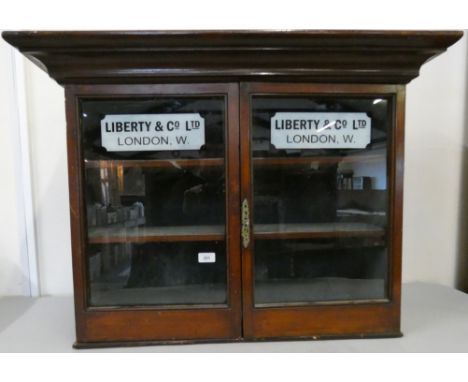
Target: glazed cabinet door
(154, 171)
(321, 209)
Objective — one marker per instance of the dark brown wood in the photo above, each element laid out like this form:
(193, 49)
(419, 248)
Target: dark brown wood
(210, 56)
(103, 235)
(123, 344)
(156, 163)
(325, 319)
(234, 263)
(236, 64)
(246, 194)
(347, 320)
(301, 161)
(106, 235)
(396, 163)
(216, 162)
(153, 323)
(77, 227)
(316, 231)
(157, 324)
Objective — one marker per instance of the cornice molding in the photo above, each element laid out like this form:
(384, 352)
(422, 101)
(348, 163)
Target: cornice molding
(392, 57)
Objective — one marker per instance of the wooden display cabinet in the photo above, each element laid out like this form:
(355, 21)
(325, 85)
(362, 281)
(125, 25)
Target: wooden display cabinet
(234, 185)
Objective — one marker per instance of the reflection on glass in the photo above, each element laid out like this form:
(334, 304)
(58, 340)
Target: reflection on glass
(320, 215)
(151, 213)
(302, 270)
(156, 274)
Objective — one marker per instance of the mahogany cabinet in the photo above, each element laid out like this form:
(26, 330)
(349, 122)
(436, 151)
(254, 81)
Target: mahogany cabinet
(234, 185)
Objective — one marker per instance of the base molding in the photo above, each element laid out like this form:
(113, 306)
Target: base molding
(117, 344)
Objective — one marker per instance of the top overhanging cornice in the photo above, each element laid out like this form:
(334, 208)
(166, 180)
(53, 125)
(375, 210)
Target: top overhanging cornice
(112, 57)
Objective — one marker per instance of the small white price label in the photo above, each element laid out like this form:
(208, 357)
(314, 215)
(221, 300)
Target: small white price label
(206, 257)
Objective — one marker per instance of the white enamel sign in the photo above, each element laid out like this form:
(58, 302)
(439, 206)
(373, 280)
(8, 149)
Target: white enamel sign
(153, 132)
(320, 130)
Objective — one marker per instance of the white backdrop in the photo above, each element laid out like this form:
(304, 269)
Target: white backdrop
(435, 146)
(14, 273)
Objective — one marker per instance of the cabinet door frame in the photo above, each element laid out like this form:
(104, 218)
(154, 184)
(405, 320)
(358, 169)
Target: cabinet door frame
(323, 320)
(108, 326)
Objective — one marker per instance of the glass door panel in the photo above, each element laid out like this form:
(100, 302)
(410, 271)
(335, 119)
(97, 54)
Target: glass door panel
(155, 202)
(320, 198)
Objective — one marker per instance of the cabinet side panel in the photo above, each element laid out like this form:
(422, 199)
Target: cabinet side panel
(397, 172)
(76, 205)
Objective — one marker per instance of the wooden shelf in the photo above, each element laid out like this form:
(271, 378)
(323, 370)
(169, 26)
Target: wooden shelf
(214, 162)
(155, 163)
(298, 161)
(106, 235)
(317, 230)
